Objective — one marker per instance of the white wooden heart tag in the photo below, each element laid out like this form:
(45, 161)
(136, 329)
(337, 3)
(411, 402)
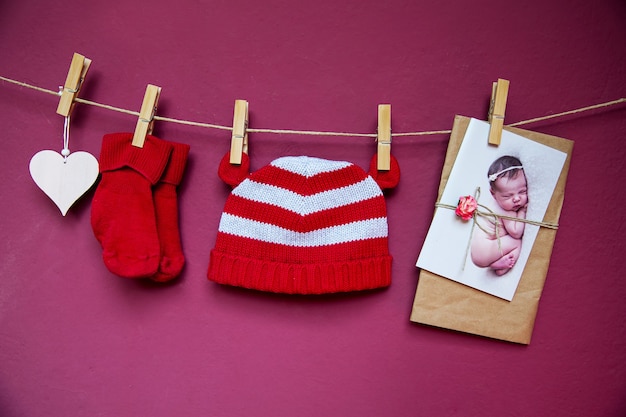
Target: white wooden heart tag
(64, 180)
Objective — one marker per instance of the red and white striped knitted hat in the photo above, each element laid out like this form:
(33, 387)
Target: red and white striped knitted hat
(304, 225)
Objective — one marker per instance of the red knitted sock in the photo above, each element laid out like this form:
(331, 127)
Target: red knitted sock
(122, 211)
(166, 208)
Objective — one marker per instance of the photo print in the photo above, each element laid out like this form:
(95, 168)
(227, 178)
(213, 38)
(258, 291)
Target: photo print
(476, 237)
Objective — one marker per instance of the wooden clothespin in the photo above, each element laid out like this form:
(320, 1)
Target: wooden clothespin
(499, 93)
(383, 162)
(73, 82)
(146, 115)
(239, 140)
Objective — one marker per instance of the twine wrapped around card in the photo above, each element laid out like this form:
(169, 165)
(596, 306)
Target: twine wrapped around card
(468, 208)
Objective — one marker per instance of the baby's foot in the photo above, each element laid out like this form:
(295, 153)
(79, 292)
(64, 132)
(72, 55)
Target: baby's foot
(506, 262)
(500, 272)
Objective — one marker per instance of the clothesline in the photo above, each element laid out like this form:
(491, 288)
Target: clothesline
(308, 132)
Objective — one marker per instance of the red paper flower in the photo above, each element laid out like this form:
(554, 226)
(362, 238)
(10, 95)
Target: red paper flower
(466, 207)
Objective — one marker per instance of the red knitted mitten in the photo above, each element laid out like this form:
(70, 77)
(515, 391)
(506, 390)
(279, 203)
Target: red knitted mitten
(122, 211)
(166, 208)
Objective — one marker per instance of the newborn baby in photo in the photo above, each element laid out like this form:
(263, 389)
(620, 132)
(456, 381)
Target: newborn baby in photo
(497, 242)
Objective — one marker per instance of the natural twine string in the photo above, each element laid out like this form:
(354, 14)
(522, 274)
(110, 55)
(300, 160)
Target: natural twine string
(496, 219)
(501, 216)
(306, 132)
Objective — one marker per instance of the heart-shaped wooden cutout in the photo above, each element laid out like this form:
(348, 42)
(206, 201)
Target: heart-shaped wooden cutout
(64, 180)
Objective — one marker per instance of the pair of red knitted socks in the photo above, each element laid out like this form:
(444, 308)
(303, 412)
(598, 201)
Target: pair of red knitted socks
(134, 213)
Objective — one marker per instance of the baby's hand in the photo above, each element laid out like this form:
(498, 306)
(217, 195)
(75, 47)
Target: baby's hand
(516, 228)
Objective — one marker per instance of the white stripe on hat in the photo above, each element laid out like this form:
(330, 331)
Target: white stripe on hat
(304, 205)
(252, 229)
(308, 166)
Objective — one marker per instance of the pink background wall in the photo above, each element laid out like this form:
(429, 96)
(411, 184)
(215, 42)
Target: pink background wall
(76, 340)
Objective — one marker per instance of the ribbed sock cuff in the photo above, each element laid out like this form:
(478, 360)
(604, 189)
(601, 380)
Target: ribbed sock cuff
(176, 166)
(150, 161)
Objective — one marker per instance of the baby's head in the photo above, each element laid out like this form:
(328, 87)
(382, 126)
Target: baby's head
(507, 183)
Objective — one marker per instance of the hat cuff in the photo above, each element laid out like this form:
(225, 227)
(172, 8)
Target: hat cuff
(291, 278)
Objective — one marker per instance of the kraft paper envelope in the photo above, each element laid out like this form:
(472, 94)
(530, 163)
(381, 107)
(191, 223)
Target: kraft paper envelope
(448, 304)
